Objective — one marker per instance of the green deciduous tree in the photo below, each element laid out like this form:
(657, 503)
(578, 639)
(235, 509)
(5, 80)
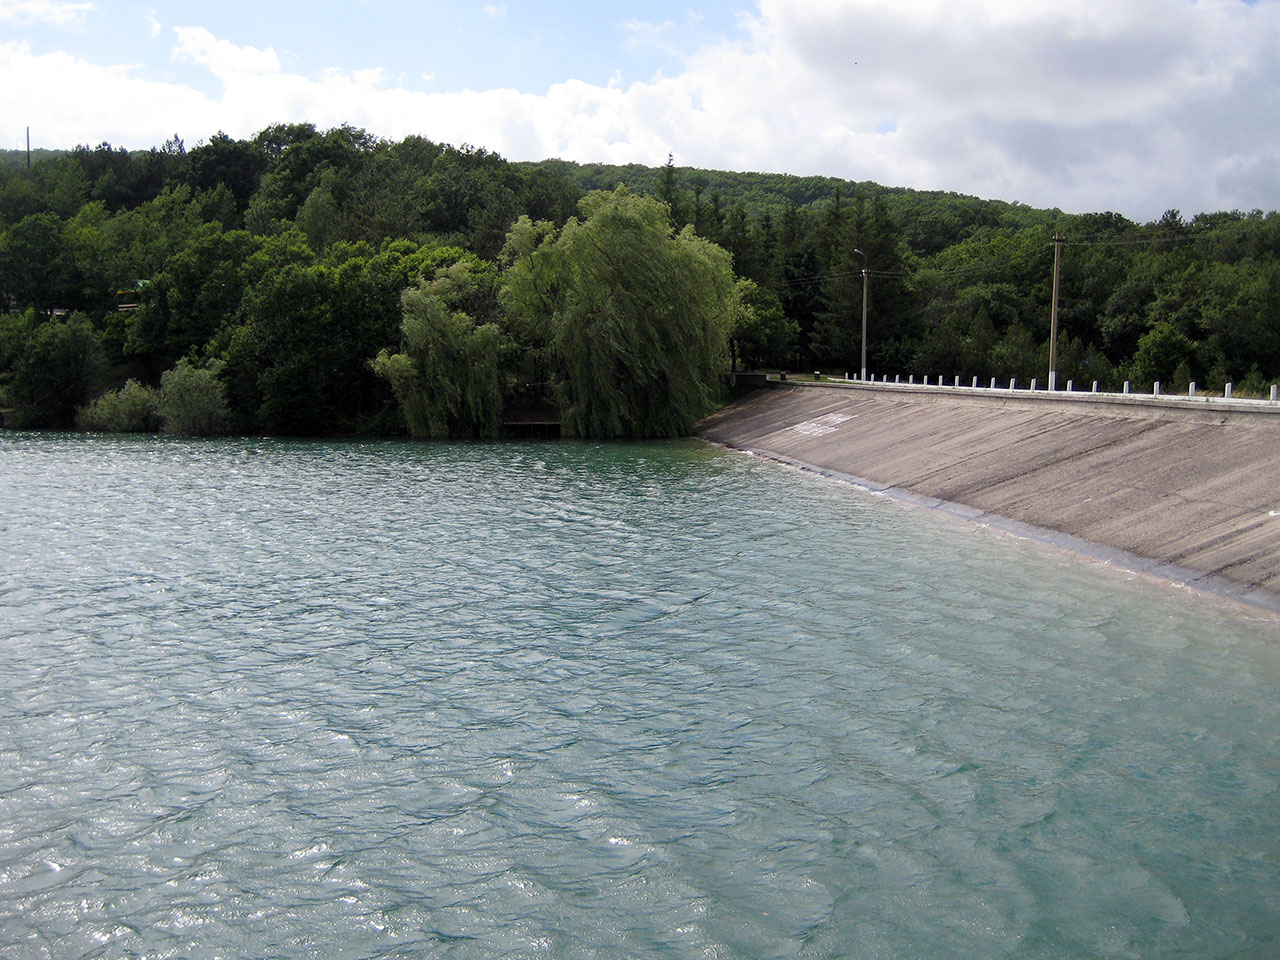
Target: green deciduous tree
(146, 236)
(57, 369)
(188, 303)
(36, 267)
(236, 165)
(639, 316)
(1163, 353)
(134, 408)
(763, 335)
(449, 379)
(193, 401)
(298, 364)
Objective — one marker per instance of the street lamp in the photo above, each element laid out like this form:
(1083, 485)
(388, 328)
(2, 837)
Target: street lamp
(864, 313)
(1053, 314)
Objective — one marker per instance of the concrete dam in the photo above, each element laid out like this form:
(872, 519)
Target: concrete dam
(1183, 488)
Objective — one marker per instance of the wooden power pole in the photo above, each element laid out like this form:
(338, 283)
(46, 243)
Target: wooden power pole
(1053, 314)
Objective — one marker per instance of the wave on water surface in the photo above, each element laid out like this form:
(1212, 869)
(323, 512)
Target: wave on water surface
(477, 700)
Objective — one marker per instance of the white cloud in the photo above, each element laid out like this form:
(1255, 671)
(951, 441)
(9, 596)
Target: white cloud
(495, 10)
(1135, 106)
(68, 101)
(153, 25)
(1132, 106)
(223, 58)
(56, 12)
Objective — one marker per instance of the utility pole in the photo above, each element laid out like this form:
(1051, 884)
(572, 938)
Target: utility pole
(28, 148)
(865, 272)
(1053, 314)
(864, 313)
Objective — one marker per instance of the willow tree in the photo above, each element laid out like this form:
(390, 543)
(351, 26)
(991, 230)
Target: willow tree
(449, 378)
(637, 316)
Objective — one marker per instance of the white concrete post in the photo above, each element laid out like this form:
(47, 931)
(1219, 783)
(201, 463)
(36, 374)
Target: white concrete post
(1033, 383)
(1126, 386)
(957, 379)
(1229, 390)
(1095, 386)
(911, 378)
(1155, 389)
(1275, 393)
(993, 383)
(1013, 383)
(975, 382)
(897, 378)
(1071, 385)
(1191, 390)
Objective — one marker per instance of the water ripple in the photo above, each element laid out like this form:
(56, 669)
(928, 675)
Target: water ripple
(568, 700)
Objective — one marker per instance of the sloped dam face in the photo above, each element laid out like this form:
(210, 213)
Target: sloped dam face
(1185, 490)
(613, 700)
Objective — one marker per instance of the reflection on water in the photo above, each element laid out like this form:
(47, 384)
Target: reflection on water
(574, 700)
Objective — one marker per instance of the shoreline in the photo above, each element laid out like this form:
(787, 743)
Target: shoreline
(1175, 498)
(1217, 587)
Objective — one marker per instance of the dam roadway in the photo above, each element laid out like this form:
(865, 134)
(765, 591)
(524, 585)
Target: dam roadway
(1185, 489)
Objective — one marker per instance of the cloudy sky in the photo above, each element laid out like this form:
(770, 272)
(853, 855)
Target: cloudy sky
(1134, 106)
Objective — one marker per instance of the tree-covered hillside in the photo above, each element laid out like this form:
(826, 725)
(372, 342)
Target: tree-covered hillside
(20, 158)
(929, 219)
(961, 286)
(311, 282)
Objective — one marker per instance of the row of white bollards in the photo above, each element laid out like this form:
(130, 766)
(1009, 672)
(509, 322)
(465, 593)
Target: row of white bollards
(1157, 390)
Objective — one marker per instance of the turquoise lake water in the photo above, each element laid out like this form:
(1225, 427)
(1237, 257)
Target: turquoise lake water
(358, 700)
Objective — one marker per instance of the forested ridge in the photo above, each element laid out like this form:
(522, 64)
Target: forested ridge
(328, 282)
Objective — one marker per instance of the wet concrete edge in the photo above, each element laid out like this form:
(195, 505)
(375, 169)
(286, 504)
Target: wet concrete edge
(1212, 584)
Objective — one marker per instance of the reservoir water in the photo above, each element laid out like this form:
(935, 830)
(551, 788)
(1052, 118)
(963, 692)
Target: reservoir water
(357, 700)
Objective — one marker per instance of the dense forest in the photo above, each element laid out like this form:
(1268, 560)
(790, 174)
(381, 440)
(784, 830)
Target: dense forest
(328, 282)
(962, 286)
